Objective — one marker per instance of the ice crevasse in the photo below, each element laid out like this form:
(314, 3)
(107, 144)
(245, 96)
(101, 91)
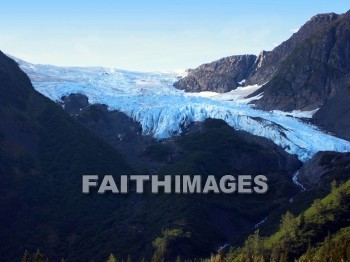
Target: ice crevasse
(163, 111)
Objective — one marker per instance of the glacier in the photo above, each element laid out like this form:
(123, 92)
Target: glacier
(163, 111)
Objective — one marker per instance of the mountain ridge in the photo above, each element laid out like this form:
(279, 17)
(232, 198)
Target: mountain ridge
(259, 72)
(308, 71)
(316, 75)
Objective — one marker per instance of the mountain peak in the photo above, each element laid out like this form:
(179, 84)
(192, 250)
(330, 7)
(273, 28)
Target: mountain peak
(325, 16)
(261, 71)
(310, 70)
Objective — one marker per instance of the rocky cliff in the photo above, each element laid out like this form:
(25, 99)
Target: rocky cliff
(219, 76)
(227, 73)
(311, 70)
(316, 75)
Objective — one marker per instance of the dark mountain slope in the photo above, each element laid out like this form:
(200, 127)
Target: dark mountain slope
(114, 127)
(208, 148)
(214, 148)
(43, 154)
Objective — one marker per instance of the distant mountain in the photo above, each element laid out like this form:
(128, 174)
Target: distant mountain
(316, 75)
(228, 73)
(268, 62)
(308, 71)
(219, 76)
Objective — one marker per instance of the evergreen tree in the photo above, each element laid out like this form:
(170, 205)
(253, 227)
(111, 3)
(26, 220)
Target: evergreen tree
(37, 257)
(328, 247)
(302, 220)
(284, 257)
(220, 256)
(333, 186)
(307, 257)
(112, 258)
(275, 254)
(289, 226)
(26, 256)
(254, 247)
(319, 206)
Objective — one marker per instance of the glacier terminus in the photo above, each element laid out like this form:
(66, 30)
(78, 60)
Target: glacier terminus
(164, 111)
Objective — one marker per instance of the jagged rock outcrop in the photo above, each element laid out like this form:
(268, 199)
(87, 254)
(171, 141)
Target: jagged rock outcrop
(219, 76)
(324, 164)
(224, 74)
(316, 75)
(116, 128)
(268, 62)
(308, 71)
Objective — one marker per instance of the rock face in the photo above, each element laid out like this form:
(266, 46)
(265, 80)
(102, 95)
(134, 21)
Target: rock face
(114, 127)
(316, 75)
(308, 71)
(313, 72)
(219, 76)
(324, 164)
(224, 74)
(268, 62)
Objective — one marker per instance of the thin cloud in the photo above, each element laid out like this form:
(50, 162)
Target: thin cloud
(294, 30)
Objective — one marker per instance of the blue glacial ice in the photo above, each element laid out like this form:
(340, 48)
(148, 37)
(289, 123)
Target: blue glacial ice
(163, 111)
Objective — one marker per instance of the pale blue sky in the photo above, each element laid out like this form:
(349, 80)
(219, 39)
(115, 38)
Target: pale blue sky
(150, 35)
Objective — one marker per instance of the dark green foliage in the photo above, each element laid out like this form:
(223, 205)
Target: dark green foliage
(26, 256)
(309, 236)
(337, 174)
(112, 258)
(38, 257)
(334, 248)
